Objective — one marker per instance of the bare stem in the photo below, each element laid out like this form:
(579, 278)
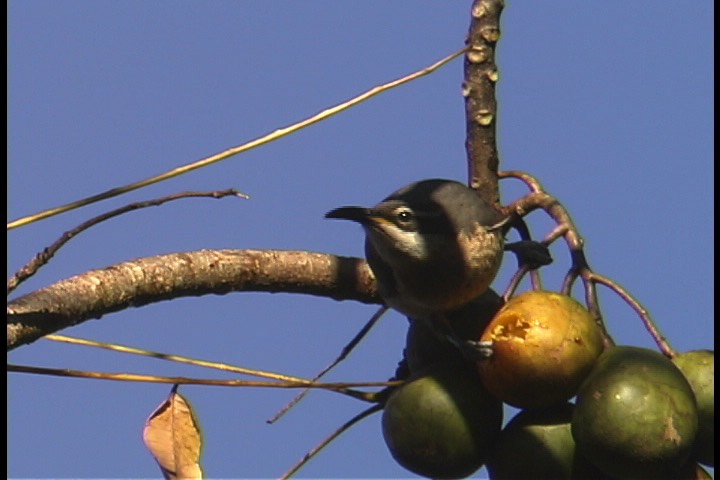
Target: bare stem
(42, 258)
(325, 442)
(580, 268)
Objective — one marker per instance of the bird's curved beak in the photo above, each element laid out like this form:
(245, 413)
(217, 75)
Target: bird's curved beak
(360, 215)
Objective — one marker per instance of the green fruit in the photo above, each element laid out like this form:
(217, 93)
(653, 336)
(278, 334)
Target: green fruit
(698, 366)
(441, 424)
(635, 415)
(538, 445)
(544, 345)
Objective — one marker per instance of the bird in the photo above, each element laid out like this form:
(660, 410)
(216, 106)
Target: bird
(434, 246)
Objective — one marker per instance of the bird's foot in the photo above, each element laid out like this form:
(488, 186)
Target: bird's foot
(473, 350)
(531, 253)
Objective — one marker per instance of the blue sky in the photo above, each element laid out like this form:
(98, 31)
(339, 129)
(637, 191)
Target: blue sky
(610, 104)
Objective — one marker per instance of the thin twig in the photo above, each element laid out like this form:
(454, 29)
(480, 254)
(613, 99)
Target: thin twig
(539, 199)
(535, 280)
(42, 258)
(174, 358)
(642, 312)
(317, 448)
(371, 397)
(275, 135)
(515, 282)
(339, 387)
(343, 355)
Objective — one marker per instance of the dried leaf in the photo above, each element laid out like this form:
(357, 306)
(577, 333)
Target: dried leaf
(173, 438)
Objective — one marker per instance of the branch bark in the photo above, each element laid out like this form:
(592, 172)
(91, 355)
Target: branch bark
(153, 279)
(481, 75)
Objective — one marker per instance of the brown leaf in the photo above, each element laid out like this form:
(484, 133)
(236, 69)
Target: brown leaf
(173, 438)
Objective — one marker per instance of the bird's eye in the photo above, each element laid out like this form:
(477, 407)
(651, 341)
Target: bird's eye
(404, 216)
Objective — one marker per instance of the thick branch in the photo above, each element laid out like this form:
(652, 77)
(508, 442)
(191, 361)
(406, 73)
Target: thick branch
(480, 104)
(153, 279)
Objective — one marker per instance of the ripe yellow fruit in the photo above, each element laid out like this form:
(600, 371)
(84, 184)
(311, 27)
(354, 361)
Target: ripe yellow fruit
(544, 345)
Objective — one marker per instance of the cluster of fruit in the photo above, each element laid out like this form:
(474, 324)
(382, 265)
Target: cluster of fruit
(636, 413)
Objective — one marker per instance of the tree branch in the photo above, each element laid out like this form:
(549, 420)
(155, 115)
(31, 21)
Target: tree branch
(139, 282)
(481, 75)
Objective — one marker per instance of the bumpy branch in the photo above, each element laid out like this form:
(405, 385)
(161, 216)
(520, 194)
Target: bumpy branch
(164, 277)
(480, 105)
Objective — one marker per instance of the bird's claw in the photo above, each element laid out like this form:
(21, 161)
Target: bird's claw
(473, 350)
(530, 252)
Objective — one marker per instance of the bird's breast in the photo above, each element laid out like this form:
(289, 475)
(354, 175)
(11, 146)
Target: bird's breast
(451, 276)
